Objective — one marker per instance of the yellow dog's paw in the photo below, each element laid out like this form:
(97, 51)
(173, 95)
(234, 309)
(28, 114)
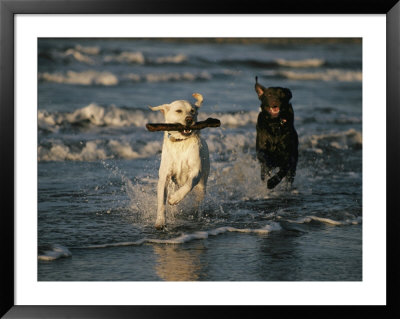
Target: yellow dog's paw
(160, 223)
(174, 199)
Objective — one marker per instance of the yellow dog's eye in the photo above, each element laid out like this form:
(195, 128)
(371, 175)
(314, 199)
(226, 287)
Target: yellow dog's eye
(192, 111)
(178, 111)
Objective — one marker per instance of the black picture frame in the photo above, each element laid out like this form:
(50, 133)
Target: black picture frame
(8, 10)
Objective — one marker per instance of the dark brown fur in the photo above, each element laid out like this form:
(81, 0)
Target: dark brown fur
(277, 140)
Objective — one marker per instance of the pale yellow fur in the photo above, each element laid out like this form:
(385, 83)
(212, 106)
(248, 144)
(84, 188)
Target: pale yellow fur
(184, 159)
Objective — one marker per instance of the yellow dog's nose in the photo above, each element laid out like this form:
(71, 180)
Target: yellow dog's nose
(189, 120)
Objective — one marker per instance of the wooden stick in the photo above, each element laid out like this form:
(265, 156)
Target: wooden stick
(210, 122)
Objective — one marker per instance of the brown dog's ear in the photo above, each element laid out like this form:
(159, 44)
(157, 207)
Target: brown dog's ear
(259, 88)
(288, 93)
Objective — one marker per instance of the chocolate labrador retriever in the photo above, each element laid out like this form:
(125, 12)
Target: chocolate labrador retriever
(277, 141)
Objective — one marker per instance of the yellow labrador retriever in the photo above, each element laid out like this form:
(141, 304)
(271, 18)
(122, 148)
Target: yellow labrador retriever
(184, 159)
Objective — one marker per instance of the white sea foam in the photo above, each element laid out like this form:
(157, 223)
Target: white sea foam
(47, 121)
(179, 58)
(56, 150)
(328, 221)
(79, 56)
(218, 143)
(126, 57)
(328, 75)
(91, 54)
(306, 63)
(97, 150)
(98, 116)
(140, 58)
(231, 142)
(117, 117)
(60, 152)
(175, 76)
(124, 149)
(94, 50)
(235, 119)
(92, 113)
(341, 140)
(58, 251)
(122, 244)
(79, 53)
(89, 77)
(198, 235)
(55, 252)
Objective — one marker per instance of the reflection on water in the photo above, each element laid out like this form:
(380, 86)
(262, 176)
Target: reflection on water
(178, 264)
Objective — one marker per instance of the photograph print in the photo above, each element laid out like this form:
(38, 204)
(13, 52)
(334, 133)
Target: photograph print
(199, 159)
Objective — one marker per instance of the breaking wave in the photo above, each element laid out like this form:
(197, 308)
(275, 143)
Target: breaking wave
(126, 57)
(350, 139)
(139, 58)
(56, 251)
(96, 150)
(168, 77)
(96, 115)
(306, 63)
(112, 116)
(218, 143)
(142, 145)
(91, 77)
(328, 75)
(184, 238)
(93, 55)
(308, 219)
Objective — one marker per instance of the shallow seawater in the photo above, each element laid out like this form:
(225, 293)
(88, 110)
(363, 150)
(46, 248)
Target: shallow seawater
(98, 165)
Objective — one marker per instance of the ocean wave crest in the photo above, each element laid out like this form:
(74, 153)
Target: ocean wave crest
(95, 150)
(54, 252)
(306, 63)
(329, 221)
(89, 77)
(96, 115)
(78, 56)
(185, 238)
(350, 139)
(126, 57)
(113, 116)
(328, 75)
(57, 251)
(218, 143)
(82, 54)
(175, 59)
(140, 58)
(92, 77)
(274, 64)
(169, 77)
(90, 55)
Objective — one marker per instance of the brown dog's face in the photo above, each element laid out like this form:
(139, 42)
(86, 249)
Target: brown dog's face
(273, 99)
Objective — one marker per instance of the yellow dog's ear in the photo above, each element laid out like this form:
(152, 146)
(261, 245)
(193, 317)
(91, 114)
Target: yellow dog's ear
(199, 99)
(164, 108)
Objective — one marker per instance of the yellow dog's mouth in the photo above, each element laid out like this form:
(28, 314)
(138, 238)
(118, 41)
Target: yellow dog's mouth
(186, 132)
